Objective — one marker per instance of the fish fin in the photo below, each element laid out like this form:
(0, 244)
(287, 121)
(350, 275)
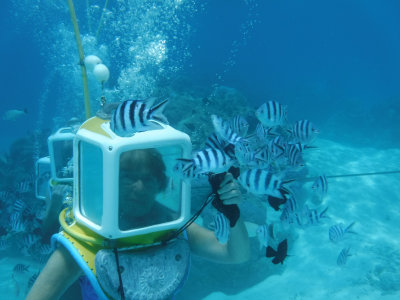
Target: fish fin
(272, 131)
(213, 141)
(156, 114)
(276, 261)
(348, 228)
(150, 101)
(286, 182)
(270, 252)
(274, 203)
(153, 125)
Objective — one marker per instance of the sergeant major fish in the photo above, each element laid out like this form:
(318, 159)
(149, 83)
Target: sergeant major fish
(244, 154)
(261, 182)
(320, 186)
(133, 116)
(20, 268)
(337, 232)
(221, 228)
(185, 170)
(312, 216)
(304, 131)
(208, 160)
(342, 257)
(264, 233)
(271, 114)
(225, 130)
(240, 125)
(294, 157)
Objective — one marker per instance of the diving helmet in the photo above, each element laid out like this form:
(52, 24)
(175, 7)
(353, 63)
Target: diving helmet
(125, 186)
(60, 150)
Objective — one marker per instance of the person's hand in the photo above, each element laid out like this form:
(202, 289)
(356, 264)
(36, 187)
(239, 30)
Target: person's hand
(227, 196)
(229, 191)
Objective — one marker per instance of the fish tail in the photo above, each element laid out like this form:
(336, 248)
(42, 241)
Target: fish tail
(155, 112)
(187, 163)
(322, 214)
(349, 227)
(311, 147)
(270, 252)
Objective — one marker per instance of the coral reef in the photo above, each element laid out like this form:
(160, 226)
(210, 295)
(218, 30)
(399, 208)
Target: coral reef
(191, 112)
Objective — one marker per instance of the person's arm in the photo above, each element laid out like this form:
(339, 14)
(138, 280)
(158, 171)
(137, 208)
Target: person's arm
(59, 273)
(203, 241)
(54, 203)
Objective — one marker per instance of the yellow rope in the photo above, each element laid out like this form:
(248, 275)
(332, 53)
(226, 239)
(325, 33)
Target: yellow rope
(81, 58)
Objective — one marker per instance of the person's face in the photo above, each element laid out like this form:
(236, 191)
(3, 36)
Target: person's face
(138, 189)
(138, 184)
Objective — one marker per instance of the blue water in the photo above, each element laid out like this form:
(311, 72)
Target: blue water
(335, 63)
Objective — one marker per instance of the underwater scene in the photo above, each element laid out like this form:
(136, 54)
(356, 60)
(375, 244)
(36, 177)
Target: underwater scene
(301, 99)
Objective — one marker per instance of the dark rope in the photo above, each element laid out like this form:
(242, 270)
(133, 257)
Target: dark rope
(345, 175)
(121, 286)
(174, 234)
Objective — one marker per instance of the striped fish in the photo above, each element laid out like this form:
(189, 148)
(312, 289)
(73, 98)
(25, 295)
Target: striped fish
(133, 116)
(4, 244)
(17, 225)
(271, 114)
(45, 249)
(294, 157)
(262, 157)
(208, 160)
(320, 186)
(24, 187)
(221, 228)
(264, 233)
(291, 218)
(224, 130)
(19, 206)
(185, 169)
(29, 240)
(261, 182)
(342, 257)
(262, 133)
(337, 232)
(244, 154)
(291, 203)
(304, 131)
(4, 195)
(301, 147)
(20, 268)
(313, 217)
(32, 280)
(276, 147)
(240, 125)
(213, 141)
